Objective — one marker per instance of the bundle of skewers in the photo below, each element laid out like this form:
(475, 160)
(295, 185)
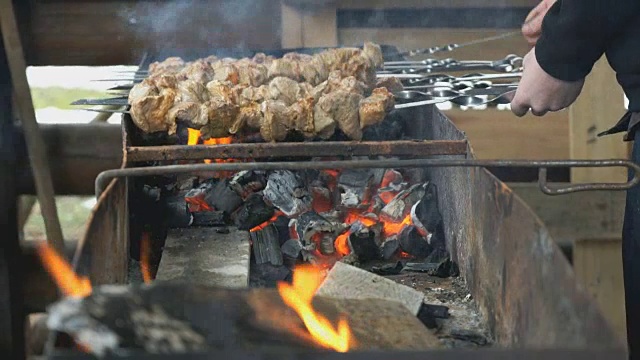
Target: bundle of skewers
(343, 88)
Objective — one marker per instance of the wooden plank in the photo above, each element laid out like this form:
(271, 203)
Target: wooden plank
(115, 32)
(349, 282)
(37, 153)
(309, 27)
(204, 256)
(598, 108)
(592, 214)
(291, 27)
(598, 267)
(498, 134)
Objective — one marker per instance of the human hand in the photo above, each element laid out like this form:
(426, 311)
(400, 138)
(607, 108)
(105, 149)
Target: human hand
(540, 91)
(532, 26)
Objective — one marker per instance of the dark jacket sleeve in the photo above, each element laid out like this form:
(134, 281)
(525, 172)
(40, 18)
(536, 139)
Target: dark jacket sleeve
(575, 34)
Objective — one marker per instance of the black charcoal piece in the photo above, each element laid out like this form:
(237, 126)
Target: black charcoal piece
(210, 218)
(363, 244)
(429, 313)
(469, 335)
(356, 186)
(291, 248)
(266, 247)
(186, 182)
(412, 242)
(177, 214)
(223, 230)
(387, 130)
(423, 267)
(446, 268)
(223, 198)
(268, 275)
(201, 197)
(388, 269)
(398, 208)
(286, 191)
(312, 228)
(253, 212)
(282, 224)
(248, 182)
(426, 211)
(389, 247)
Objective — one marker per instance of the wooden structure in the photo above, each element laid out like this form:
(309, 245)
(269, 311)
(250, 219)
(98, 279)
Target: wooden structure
(116, 32)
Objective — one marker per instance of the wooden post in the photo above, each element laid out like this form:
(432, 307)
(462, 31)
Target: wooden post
(309, 26)
(37, 154)
(599, 107)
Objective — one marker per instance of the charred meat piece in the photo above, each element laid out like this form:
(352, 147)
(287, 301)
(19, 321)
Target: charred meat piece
(341, 107)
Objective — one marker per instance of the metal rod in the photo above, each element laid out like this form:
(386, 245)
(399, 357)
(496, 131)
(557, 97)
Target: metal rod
(103, 178)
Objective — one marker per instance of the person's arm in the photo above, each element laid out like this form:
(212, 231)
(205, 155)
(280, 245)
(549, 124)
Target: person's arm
(575, 34)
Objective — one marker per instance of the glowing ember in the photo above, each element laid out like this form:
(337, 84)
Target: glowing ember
(342, 244)
(194, 136)
(390, 228)
(298, 296)
(218, 141)
(145, 255)
(66, 279)
(266, 223)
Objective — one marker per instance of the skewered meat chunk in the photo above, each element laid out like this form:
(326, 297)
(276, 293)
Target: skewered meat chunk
(195, 115)
(274, 127)
(149, 111)
(374, 108)
(286, 90)
(392, 84)
(227, 72)
(251, 74)
(192, 91)
(168, 65)
(199, 70)
(342, 107)
(222, 116)
(262, 58)
(286, 68)
(250, 115)
(374, 53)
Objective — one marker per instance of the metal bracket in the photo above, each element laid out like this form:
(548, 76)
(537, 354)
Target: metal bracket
(104, 177)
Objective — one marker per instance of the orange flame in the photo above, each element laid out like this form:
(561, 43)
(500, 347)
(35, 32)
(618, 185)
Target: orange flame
(145, 255)
(266, 223)
(66, 279)
(298, 296)
(342, 244)
(194, 138)
(390, 228)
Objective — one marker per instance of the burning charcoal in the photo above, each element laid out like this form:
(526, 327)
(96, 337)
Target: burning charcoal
(224, 198)
(389, 247)
(210, 218)
(362, 241)
(378, 204)
(266, 247)
(247, 182)
(253, 212)
(425, 213)
(322, 197)
(355, 187)
(291, 248)
(201, 198)
(392, 183)
(177, 214)
(398, 208)
(388, 269)
(413, 243)
(285, 190)
(314, 229)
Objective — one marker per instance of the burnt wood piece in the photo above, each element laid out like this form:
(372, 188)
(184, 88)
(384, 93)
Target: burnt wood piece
(204, 256)
(362, 242)
(302, 149)
(215, 318)
(313, 229)
(388, 269)
(266, 246)
(426, 211)
(248, 182)
(398, 208)
(286, 191)
(349, 282)
(210, 218)
(413, 243)
(253, 212)
(223, 198)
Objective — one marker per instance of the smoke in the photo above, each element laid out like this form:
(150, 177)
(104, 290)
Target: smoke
(179, 24)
